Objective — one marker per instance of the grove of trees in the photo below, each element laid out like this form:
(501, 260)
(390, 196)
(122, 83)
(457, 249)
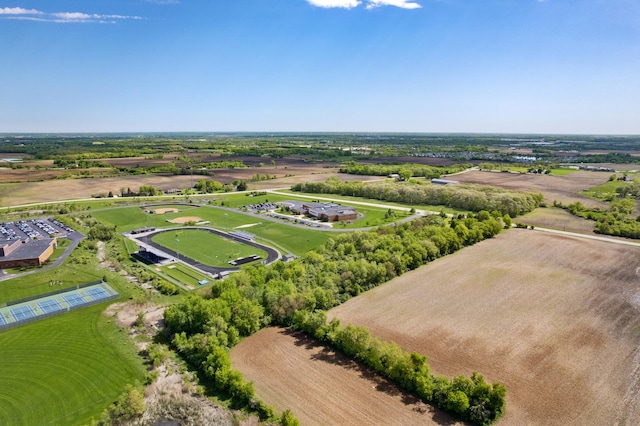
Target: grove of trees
(465, 197)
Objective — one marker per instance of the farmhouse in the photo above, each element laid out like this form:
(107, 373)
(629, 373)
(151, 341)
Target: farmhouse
(25, 253)
(328, 212)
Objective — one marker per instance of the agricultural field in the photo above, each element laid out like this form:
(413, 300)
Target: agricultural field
(322, 387)
(206, 247)
(561, 188)
(557, 218)
(554, 318)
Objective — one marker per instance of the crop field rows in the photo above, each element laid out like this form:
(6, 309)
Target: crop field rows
(559, 332)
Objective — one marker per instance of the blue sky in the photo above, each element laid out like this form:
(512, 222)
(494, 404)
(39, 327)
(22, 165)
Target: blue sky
(517, 66)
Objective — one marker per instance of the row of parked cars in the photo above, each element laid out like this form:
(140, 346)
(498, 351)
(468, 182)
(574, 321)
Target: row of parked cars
(8, 233)
(61, 225)
(25, 226)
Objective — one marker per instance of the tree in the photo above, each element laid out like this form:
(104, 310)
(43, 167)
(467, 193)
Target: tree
(128, 406)
(288, 419)
(242, 186)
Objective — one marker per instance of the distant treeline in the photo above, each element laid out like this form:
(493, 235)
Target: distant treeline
(204, 328)
(464, 197)
(405, 170)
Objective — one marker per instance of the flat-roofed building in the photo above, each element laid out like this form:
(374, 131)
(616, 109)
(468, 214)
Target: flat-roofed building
(25, 253)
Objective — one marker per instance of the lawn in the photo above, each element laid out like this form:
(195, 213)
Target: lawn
(285, 237)
(69, 275)
(605, 191)
(206, 247)
(561, 171)
(64, 370)
(184, 274)
(128, 218)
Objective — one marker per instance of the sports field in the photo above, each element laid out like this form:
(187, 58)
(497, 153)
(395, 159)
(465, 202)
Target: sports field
(287, 238)
(184, 274)
(205, 247)
(64, 370)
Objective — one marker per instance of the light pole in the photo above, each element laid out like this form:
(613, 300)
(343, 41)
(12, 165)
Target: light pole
(226, 216)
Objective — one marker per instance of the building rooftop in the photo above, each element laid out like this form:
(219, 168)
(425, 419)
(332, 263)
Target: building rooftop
(29, 250)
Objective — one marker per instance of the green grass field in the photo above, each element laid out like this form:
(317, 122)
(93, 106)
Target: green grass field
(184, 274)
(561, 172)
(604, 191)
(70, 275)
(64, 370)
(286, 238)
(206, 247)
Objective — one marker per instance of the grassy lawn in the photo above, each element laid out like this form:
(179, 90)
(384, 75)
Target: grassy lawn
(64, 370)
(206, 247)
(128, 218)
(561, 172)
(604, 191)
(185, 274)
(70, 275)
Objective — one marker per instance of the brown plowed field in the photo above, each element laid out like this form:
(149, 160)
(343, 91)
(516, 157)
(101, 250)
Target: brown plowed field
(561, 188)
(554, 318)
(321, 387)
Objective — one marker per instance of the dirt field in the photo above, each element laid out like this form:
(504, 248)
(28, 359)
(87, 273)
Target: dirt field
(561, 188)
(554, 318)
(556, 218)
(186, 219)
(322, 387)
(165, 210)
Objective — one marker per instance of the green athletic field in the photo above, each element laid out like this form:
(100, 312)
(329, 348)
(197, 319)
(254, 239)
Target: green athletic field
(206, 247)
(286, 238)
(64, 370)
(184, 274)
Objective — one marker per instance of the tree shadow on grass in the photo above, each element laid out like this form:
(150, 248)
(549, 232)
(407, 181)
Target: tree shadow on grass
(324, 353)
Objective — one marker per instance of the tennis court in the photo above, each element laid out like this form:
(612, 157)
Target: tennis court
(50, 305)
(32, 309)
(23, 312)
(74, 299)
(97, 293)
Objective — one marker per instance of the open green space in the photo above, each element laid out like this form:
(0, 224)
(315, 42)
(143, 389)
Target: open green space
(606, 191)
(206, 247)
(561, 171)
(184, 274)
(68, 275)
(64, 370)
(128, 218)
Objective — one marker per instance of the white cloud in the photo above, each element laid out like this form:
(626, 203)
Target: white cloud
(405, 4)
(371, 4)
(18, 11)
(345, 4)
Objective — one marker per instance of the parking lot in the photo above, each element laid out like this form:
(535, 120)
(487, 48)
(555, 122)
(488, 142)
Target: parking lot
(34, 229)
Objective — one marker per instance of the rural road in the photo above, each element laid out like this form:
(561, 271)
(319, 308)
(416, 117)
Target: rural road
(589, 237)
